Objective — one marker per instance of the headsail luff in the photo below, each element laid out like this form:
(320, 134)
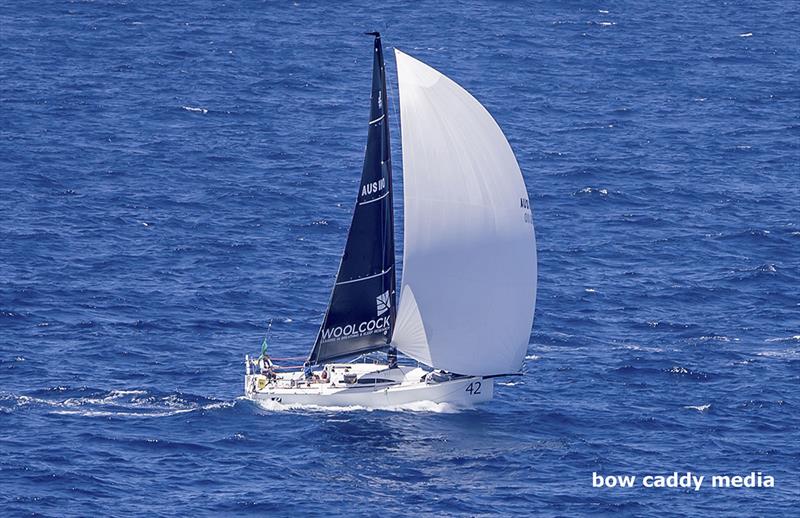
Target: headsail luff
(361, 313)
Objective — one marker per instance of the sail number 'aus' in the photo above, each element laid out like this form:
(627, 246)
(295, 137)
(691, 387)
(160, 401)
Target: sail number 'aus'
(525, 205)
(374, 187)
(474, 388)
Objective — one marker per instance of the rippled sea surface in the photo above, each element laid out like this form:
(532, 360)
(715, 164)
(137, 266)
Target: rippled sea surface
(176, 174)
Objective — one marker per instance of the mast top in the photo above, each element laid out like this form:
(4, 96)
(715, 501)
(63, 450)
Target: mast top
(376, 34)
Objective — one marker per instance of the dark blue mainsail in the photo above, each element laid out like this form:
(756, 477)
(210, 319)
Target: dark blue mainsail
(361, 313)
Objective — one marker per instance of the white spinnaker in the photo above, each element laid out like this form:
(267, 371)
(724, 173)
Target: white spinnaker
(469, 264)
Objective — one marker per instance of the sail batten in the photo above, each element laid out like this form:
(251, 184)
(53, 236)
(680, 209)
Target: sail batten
(469, 263)
(361, 312)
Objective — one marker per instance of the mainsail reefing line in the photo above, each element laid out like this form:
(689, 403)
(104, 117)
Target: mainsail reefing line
(361, 313)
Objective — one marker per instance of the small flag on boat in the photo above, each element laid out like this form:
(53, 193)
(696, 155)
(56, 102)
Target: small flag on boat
(264, 342)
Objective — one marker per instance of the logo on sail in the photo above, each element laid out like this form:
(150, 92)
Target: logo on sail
(378, 325)
(383, 302)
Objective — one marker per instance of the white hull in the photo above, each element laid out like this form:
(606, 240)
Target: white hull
(407, 386)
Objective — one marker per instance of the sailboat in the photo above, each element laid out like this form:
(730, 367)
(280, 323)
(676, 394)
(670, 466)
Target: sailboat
(465, 306)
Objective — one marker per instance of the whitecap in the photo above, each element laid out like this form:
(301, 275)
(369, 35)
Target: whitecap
(635, 347)
(788, 354)
(218, 406)
(793, 338)
(27, 400)
(592, 190)
(111, 413)
(195, 109)
(699, 408)
(122, 403)
(136, 409)
(715, 338)
(532, 357)
(746, 35)
(120, 393)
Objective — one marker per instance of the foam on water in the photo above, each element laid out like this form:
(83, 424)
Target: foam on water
(793, 338)
(195, 109)
(416, 406)
(114, 403)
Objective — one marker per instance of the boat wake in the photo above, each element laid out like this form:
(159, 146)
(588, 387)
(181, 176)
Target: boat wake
(109, 403)
(416, 406)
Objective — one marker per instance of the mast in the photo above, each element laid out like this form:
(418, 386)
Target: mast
(361, 313)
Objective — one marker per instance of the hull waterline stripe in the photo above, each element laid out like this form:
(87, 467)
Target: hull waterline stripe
(384, 272)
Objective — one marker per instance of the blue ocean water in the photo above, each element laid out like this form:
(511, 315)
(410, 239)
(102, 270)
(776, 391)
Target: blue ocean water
(175, 174)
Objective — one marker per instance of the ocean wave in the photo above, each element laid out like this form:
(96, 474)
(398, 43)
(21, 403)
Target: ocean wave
(715, 338)
(683, 372)
(699, 408)
(665, 324)
(603, 192)
(195, 109)
(766, 268)
(789, 354)
(749, 233)
(793, 338)
(762, 271)
(113, 403)
(636, 347)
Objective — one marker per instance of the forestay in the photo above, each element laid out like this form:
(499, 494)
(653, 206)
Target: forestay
(469, 264)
